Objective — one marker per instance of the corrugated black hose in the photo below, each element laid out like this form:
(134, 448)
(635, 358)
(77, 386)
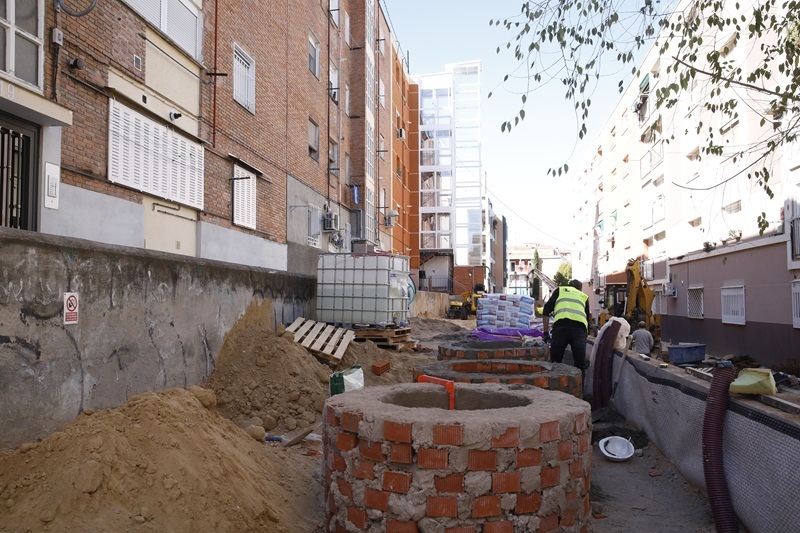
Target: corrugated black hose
(713, 452)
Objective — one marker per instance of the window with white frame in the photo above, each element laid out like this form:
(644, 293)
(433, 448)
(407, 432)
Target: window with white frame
(180, 20)
(314, 225)
(733, 305)
(333, 83)
(347, 99)
(381, 42)
(346, 28)
(382, 93)
(244, 197)
(694, 302)
(21, 42)
(369, 215)
(313, 54)
(796, 304)
(333, 157)
(244, 79)
(659, 303)
(313, 139)
(381, 146)
(347, 168)
(147, 156)
(334, 7)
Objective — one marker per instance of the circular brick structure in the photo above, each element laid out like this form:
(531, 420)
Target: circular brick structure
(492, 350)
(508, 458)
(550, 376)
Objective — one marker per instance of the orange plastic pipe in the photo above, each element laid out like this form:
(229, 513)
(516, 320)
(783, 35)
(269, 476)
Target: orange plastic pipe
(449, 386)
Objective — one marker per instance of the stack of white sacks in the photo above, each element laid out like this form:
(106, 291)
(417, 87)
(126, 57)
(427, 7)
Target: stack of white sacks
(505, 311)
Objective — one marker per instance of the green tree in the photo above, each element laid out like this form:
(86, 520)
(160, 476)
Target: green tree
(564, 274)
(573, 41)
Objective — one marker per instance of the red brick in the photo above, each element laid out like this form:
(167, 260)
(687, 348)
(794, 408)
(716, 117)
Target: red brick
(339, 463)
(372, 450)
(548, 523)
(345, 488)
(569, 518)
(529, 457)
(550, 476)
(542, 383)
(451, 483)
(446, 435)
(509, 439)
(376, 499)
(565, 450)
(505, 482)
(432, 458)
(460, 529)
(364, 470)
(332, 507)
(528, 503)
(401, 453)
(350, 421)
(358, 517)
(580, 423)
(572, 495)
(549, 431)
(396, 432)
(584, 443)
(587, 505)
(484, 506)
(346, 441)
(330, 417)
(399, 482)
(482, 460)
(396, 526)
(515, 381)
(442, 506)
(499, 527)
(576, 469)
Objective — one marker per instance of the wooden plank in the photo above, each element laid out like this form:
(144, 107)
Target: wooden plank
(295, 324)
(343, 345)
(322, 338)
(779, 403)
(329, 348)
(312, 335)
(301, 333)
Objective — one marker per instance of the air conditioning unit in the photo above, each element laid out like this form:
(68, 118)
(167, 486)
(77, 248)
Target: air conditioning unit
(671, 290)
(330, 222)
(401, 134)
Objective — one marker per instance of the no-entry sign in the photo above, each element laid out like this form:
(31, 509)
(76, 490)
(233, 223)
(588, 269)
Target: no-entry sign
(70, 308)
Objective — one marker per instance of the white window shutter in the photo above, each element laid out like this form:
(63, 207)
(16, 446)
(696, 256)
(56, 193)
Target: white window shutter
(182, 26)
(796, 304)
(244, 198)
(149, 9)
(733, 305)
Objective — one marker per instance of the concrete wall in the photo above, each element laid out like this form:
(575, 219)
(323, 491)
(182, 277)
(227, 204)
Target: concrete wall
(428, 304)
(147, 321)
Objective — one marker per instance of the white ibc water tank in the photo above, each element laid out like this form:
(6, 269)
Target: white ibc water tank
(367, 288)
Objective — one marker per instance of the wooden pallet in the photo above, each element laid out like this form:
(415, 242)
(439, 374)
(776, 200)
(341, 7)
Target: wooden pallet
(321, 339)
(383, 336)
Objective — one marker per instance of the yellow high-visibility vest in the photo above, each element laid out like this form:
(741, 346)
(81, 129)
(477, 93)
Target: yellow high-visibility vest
(571, 304)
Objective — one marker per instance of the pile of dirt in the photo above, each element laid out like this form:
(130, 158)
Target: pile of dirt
(264, 378)
(160, 462)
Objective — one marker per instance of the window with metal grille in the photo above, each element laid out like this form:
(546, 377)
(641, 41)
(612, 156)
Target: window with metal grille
(244, 79)
(149, 157)
(244, 197)
(21, 43)
(659, 303)
(314, 225)
(796, 304)
(180, 20)
(694, 301)
(733, 305)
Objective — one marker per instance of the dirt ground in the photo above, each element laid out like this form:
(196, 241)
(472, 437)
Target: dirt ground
(196, 460)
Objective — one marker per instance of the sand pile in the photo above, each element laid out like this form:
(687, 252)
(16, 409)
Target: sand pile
(160, 462)
(262, 377)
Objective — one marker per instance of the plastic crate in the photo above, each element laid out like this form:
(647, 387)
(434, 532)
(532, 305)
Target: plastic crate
(686, 353)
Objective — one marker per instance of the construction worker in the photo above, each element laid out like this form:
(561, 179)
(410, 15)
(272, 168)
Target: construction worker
(570, 309)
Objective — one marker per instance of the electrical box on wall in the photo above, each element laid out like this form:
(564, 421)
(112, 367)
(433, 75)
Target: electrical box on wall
(52, 181)
(671, 290)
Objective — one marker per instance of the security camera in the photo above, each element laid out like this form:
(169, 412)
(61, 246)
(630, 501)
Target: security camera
(175, 115)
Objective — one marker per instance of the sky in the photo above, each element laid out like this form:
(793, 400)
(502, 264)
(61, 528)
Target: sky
(434, 33)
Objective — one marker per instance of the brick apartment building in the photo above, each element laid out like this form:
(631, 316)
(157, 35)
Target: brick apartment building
(254, 133)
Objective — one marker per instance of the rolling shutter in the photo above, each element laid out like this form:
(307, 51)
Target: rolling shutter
(244, 198)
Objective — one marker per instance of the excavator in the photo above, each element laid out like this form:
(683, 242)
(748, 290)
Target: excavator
(632, 301)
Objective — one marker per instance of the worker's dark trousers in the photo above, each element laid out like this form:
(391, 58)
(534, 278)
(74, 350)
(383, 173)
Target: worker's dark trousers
(573, 335)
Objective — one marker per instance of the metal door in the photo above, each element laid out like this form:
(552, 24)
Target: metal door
(18, 184)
